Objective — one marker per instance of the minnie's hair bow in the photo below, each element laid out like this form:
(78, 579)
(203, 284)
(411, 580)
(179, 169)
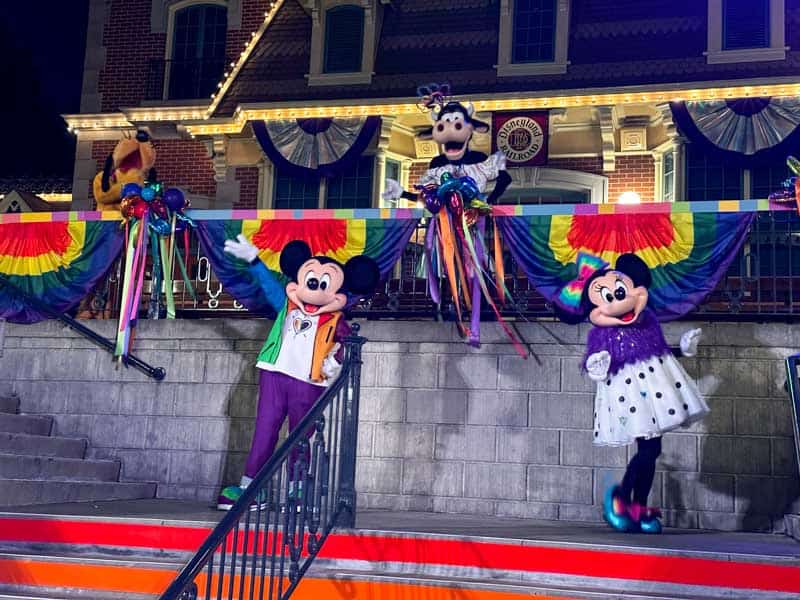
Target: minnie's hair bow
(569, 298)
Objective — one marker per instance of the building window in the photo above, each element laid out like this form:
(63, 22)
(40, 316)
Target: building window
(294, 192)
(344, 38)
(352, 189)
(197, 60)
(746, 31)
(534, 35)
(745, 24)
(767, 179)
(545, 196)
(709, 178)
(546, 185)
(668, 174)
(534, 31)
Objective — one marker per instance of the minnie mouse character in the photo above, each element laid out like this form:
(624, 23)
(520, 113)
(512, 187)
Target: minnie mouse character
(453, 127)
(642, 390)
(303, 351)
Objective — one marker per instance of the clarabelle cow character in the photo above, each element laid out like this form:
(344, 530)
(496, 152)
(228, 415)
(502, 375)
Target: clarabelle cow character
(642, 390)
(453, 128)
(303, 351)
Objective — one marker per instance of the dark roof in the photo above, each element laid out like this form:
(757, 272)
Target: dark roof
(37, 204)
(36, 184)
(612, 43)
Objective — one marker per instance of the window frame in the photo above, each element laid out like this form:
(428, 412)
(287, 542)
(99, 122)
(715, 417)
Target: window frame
(169, 45)
(325, 46)
(531, 178)
(322, 186)
(716, 54)
(319, 9)
(506, 67)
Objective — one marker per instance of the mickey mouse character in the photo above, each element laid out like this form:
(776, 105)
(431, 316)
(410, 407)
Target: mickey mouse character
(303, 351)
(453, 127)
(642, 390)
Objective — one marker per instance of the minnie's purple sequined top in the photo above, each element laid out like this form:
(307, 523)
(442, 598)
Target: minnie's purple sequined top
(628, 344)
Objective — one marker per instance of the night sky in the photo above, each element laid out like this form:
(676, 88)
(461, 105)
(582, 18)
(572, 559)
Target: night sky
(42, 45)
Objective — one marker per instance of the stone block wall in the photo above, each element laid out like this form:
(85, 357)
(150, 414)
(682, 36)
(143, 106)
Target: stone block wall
(443, 427)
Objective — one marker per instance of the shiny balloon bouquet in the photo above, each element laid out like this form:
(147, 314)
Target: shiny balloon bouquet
(153, 218)
(455, 248)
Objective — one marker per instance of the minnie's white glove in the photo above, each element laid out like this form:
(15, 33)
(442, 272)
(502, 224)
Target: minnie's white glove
(394, 190)
(241, 249)
(330, 366)
(689, 341)
(597, 365)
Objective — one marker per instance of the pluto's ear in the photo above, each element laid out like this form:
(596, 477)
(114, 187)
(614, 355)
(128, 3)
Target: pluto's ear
(105, 181)
(635, 268)
(293, 255)
(361, 275)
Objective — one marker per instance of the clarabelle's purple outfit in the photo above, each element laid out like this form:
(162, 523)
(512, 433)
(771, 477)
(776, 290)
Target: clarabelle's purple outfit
(647, 392)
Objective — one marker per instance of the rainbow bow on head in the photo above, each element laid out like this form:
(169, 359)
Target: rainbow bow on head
(569, 298)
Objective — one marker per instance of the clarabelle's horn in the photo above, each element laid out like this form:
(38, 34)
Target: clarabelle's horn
(470, 108)
(436, 110)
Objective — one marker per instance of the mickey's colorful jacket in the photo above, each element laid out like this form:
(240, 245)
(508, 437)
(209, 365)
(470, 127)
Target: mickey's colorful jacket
(332, 327)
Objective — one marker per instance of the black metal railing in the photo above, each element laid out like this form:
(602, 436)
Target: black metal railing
(793, 385)
(762, 283)
(267, 541)
(157, 373)
(190, 79)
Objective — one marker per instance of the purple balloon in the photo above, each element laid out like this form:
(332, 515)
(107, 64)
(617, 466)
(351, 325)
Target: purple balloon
(432, 201)
(174, 199)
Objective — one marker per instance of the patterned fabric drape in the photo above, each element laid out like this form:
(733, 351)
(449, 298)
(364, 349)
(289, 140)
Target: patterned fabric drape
(381, 239)
(55, 262)
(748, 130)
(313, 148)
(687, 253)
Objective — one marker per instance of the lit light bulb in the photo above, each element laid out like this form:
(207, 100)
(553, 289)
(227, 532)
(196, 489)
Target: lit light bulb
(629, 198)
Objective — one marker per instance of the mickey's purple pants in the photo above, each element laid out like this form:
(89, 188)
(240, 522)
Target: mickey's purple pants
(278, 396)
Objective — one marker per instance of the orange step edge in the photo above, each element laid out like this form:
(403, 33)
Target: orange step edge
(139, 580)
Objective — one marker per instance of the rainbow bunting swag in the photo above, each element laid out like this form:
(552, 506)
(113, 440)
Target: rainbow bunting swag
(55, 262)
(381, 239)
(688, 253)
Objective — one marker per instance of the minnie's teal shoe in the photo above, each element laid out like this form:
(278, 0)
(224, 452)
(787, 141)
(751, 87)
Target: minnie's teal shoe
(615, 511)
(650, 521)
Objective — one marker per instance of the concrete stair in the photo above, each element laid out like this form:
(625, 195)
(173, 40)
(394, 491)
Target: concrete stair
(37, 468)
(133, 550)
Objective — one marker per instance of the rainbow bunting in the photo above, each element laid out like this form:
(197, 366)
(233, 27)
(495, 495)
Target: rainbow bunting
(687, 252)
(381, 239)
(55, 262)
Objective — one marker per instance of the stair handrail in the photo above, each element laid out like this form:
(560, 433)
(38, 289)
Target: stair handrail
(793, 384)
(294, 527)
(157, 373)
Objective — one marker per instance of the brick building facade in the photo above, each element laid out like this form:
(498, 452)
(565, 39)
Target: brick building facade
(197, 73)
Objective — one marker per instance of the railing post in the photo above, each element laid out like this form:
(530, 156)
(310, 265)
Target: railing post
(794, 394)
(347, 475)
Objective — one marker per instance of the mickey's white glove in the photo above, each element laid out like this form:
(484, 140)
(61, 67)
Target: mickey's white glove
(330, 366)
(597, 365)
(241, 248)
(394, 190)
(689, 341)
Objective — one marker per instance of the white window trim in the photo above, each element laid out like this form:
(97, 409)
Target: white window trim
(172, 11)
(562, 179)
(319, 10)
(558, 66)
(777, 37)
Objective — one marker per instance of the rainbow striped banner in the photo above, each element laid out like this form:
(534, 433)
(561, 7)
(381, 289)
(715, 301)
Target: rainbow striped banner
(718, 206)
(57, 262)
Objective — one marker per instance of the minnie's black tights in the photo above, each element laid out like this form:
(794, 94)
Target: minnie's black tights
(641, 470)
